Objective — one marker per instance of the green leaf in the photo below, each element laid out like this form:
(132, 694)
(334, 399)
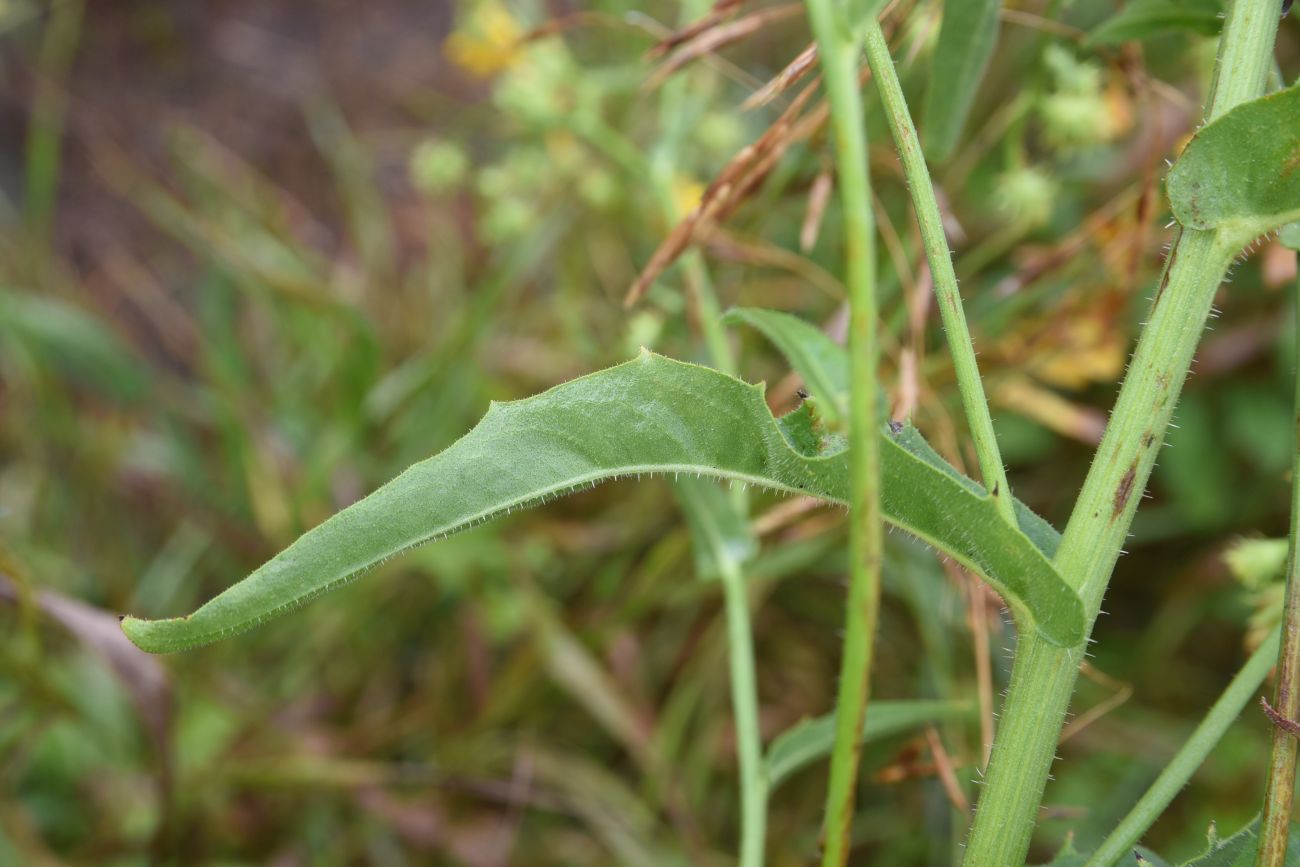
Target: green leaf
(823, 363)
(1240, 849)
(966, 40)
(1240, 175)
(1142, 19)
(718, 529)
(812, 739)
(651, 415)
(71, 342)
(1071, 857)
(824, 366)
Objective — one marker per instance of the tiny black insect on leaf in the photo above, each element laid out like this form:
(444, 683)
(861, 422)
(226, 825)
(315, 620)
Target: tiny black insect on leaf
(1286, 7)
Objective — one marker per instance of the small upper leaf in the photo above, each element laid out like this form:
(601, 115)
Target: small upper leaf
(821, 362)
(1241, 173)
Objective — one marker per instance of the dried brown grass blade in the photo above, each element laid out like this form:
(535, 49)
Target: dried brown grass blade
(715, 38)
(819, 196)
(721, 10)
(793, 73)
(733, 185)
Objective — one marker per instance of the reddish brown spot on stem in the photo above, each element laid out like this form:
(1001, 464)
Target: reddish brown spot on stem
(1164, 279)
(1124, 491)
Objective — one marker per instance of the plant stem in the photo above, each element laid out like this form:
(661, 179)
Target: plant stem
(937, 253)
(1119, 845)
(44, 143)
(1275, 823)
(740, 638)
(744, 701)
(1043, 677)
(839, 60)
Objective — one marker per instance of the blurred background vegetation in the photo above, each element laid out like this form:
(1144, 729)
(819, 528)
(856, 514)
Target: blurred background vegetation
(256, 258)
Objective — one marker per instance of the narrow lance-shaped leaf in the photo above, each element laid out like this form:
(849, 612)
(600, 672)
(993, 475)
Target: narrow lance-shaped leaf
(823, 363)
(651, 415)
(70, 342)
(1241, 174)
(1141, 19)
(966, 40)
(810, 740)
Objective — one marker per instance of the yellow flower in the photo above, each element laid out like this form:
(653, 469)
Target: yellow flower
(687, 194)
(489, 41)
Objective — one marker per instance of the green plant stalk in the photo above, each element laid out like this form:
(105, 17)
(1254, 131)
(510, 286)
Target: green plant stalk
(960, 346)
(839, 59)
(740, 633)
(744, 701)
(1275, 822)
(1119, 845)
(1043, 677)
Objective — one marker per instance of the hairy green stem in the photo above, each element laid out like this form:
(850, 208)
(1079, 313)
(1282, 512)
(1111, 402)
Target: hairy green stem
(839, 60)
(1275, 823)
(1118, 847)
(744, 700)
(937, 253)
(1043, 676)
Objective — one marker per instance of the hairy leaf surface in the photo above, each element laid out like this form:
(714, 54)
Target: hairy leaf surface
(1240, 849)
(824, 366)
(1241, 173)
(651, 415)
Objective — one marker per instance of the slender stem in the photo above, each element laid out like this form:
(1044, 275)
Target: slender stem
(937, 253)
(49, 114)
(839, 59)
(1119, 845)
(1275, 824)
(676, 115)
(740, 638)
(744, 700)
(1043, 676)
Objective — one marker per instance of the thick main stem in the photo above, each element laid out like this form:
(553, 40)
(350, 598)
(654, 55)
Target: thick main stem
(960, 346)
(1043, 677)
(1275, 823)
(839, 59)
